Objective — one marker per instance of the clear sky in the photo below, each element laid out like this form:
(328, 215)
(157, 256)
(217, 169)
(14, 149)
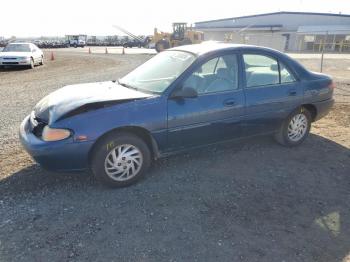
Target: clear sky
(60, 17)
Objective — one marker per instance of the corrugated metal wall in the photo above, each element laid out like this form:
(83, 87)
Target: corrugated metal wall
(283, 29)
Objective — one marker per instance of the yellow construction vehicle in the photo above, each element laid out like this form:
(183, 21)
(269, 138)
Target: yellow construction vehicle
(181, 35)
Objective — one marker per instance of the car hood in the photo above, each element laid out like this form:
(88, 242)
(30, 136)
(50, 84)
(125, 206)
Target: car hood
(75, 99)
(15, 54)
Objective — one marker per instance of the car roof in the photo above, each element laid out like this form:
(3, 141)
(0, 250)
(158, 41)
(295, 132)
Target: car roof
(212, 46)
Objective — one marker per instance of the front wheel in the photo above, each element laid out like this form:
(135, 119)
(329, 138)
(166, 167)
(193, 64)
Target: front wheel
(31, 65)
(295, 128)
(161, 45)
(120, 159)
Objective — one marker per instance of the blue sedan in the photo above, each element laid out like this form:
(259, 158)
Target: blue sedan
(182, 98)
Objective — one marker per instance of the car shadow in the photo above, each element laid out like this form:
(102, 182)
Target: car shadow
(14, 68)
(251, 200)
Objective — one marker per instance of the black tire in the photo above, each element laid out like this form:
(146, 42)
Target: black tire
(282, 136)
(186, 41)
(42, 61)
(161, 45)
(106, 145)
(32, 65)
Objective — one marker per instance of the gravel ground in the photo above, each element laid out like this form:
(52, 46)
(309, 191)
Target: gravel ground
(209, 204)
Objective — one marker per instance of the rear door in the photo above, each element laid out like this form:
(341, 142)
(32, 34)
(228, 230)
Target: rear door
(216, 114)
(272, 92)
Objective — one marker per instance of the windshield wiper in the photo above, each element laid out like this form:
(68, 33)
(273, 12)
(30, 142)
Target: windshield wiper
(135, 88)
(126, 85)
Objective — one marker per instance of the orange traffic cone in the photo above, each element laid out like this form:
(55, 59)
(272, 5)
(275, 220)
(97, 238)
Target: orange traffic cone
(123, 51)
(89, 50)
(106, 51)
(52, 56)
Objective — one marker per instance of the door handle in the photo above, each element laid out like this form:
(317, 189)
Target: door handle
(229, 102)
(292, 92)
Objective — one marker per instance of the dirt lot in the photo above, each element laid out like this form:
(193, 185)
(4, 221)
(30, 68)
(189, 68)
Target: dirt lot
(246, 201)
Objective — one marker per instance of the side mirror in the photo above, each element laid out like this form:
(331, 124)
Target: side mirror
(185, 92)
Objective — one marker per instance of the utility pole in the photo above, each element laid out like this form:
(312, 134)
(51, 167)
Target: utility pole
(322, 55)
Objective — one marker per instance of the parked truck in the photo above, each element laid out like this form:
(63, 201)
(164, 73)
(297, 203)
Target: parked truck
(76, 40)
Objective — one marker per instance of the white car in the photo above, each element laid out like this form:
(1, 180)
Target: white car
(21, 54)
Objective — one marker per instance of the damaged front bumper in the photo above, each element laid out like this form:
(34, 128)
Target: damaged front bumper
(64, 155)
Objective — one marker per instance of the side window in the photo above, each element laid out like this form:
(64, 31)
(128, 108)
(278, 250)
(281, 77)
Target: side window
(216, 75)
(208, 67)
(260, 70)
(220, 64)
(286, 76)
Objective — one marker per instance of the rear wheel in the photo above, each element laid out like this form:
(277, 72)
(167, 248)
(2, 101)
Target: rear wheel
(185, 41)
(295, 128)
(120, 159)
(41, 61)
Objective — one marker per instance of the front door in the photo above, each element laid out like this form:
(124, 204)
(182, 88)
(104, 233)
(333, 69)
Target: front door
(216, 114)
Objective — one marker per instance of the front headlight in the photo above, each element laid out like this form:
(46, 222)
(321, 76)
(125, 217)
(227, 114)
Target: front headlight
(54, 134)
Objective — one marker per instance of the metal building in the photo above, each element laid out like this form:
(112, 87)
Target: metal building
(285, 31)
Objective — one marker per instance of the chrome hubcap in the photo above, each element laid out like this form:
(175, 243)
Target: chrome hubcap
(297, 127)
(123, 162)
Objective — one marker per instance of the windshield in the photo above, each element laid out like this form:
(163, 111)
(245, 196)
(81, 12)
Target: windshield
(17, 48)
(159, 72)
